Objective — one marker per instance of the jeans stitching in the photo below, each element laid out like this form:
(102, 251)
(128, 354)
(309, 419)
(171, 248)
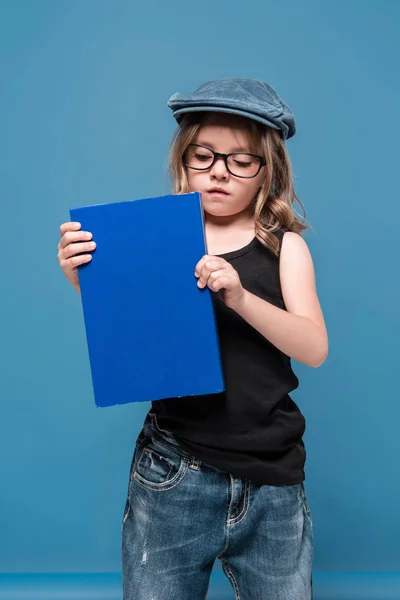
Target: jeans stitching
(158, 439)
(246, 504)
(231, 578)
(226, 545)
(157, 436)
(171, 465)
(167, 446)
(231, 502)
(167, 485)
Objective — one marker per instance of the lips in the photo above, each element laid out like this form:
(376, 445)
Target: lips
(218, 191)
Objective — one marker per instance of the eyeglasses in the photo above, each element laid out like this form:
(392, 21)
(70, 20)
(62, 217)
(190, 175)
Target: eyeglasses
(239, 164)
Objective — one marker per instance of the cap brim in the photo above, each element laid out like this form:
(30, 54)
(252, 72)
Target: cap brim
(178, 114)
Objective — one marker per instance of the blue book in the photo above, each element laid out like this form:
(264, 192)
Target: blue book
(151, 332)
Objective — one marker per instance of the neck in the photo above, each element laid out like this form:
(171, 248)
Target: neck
(243, 220)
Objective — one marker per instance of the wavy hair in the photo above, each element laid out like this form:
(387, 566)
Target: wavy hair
(272, 205)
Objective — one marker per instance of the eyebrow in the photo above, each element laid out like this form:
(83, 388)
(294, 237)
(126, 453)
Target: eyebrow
(245, 149)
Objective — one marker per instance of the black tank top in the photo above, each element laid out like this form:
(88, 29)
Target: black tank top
(253, 429)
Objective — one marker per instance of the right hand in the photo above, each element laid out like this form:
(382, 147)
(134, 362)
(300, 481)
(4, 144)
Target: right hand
(72, 242)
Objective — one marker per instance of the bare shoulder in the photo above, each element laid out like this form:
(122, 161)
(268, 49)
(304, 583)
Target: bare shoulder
(295, 256)
(297, 278)
(292, 243)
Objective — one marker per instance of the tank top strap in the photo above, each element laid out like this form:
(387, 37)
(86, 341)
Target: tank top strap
(279, 235)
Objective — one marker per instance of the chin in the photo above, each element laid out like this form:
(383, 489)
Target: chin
(218, 212)
(219, 208)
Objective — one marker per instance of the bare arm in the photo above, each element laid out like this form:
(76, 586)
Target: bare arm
(300, 331)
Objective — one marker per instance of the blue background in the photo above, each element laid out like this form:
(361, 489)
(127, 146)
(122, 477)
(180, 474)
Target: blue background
(84, 120)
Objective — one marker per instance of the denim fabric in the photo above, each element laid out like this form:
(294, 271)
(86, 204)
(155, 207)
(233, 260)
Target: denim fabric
(181, 514)
(251, 98)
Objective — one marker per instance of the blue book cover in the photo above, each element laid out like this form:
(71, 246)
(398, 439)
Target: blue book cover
(151, 332)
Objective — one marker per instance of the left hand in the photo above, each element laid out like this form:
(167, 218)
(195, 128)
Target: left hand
(221, 277)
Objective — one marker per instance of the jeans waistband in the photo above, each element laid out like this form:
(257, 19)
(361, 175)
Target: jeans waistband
(152, 429)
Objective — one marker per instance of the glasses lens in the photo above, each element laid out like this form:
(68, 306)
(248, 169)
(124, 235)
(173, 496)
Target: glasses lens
(198, 157)
(243, 165)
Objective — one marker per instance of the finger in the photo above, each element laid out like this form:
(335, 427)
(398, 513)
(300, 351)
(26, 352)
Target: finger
(69, 226)
(218, 279)
(203, 276)
(77, 248)
(199, 265)
(209, 267)
(74, 236)
(209, 259)
(75, 261)
(213, 264)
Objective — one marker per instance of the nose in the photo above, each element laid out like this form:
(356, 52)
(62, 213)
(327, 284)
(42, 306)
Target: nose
(219, 169)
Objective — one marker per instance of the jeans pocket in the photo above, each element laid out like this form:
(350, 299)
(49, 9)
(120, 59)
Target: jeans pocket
(158, 466)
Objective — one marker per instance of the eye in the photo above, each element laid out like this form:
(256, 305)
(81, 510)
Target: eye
(202, 157)
(243, 164)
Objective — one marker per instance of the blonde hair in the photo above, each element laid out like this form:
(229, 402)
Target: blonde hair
(272, 205)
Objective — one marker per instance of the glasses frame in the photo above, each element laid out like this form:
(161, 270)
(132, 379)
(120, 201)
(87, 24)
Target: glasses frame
(225, 157)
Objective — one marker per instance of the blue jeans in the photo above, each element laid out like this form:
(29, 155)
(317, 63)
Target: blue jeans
(181, 514)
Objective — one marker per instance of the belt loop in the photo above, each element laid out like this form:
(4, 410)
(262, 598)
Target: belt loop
(195, 463)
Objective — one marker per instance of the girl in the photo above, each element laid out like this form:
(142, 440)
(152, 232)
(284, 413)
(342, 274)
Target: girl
(222, 476)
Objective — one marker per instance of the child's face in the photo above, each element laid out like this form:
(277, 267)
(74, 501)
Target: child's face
(239, 191)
